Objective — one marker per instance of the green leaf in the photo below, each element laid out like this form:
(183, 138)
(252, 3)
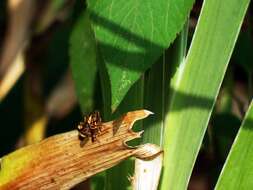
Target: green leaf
(83, 61)
(237, 171)
(155, 97)
(196, 85)
(156, 88)
(154, 101)
(133, 34)
(132, 101)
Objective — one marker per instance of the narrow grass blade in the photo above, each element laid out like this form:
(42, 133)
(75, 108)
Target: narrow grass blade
(237, 171)
(154, 100)
(156, 88)
(133, 100)
(195, 87)
(147, 173)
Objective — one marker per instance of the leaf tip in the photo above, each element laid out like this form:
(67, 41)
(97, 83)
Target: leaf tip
(148, 112)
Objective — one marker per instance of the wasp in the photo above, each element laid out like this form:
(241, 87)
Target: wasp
(91, 126)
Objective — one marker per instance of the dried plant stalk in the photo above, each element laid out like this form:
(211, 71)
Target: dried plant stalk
(11, 57)
(11, 75)
(62, 161)
(147, 172)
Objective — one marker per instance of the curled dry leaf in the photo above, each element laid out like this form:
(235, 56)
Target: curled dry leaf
(62, 161)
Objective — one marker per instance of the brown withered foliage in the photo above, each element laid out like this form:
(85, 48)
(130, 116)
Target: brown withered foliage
(62, 161)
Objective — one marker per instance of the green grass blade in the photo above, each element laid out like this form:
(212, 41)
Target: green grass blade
(154, 100)
(83, 61)
(195, 87)
(116, 178)
(237, 171)
(156, 88)
(133, 34)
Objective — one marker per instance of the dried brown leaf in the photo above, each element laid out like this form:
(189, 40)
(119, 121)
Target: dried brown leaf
(62, 161)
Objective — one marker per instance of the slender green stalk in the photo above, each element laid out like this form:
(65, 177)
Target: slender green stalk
(132, 101)
(156, 88)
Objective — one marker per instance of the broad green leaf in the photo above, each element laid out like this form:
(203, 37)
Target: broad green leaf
(83, 61)
(195, 87)
(133, 34)
(237, 171)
